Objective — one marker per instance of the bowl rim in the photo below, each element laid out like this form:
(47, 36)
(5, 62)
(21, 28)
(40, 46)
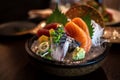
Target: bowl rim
(77, 64)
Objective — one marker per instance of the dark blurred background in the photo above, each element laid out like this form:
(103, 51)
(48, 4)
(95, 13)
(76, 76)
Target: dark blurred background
(115, 4)
(11, 10)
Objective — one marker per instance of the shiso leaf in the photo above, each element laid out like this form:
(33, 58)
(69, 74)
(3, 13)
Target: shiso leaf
(87, 20)
(57, 16)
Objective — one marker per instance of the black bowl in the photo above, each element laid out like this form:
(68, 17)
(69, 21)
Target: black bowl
(75, 68)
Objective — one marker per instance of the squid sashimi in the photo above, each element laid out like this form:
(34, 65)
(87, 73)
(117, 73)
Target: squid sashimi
(78, 34)
(81, 24)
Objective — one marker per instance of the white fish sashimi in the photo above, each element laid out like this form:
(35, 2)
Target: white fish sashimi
(66, 45)
(59, 52)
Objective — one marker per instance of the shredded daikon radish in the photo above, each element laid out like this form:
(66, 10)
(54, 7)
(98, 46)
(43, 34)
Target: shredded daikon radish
(97, 34)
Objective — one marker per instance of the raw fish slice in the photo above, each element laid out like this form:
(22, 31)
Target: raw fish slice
(81, 24)
(66, 46)
(78, 34)
(59, 52)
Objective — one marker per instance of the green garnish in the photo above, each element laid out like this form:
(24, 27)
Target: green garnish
(57, 34)
(48, 56)
(87, 20)
(49, 50)
(78, 54)
(45, 54)
(57, 16)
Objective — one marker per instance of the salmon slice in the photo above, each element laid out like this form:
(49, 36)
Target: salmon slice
(81, 24)
(78, 34)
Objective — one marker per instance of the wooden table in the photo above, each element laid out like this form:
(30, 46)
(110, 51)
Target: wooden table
(15, 64)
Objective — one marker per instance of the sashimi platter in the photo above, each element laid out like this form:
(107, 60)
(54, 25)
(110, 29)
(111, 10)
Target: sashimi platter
(68, 39)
